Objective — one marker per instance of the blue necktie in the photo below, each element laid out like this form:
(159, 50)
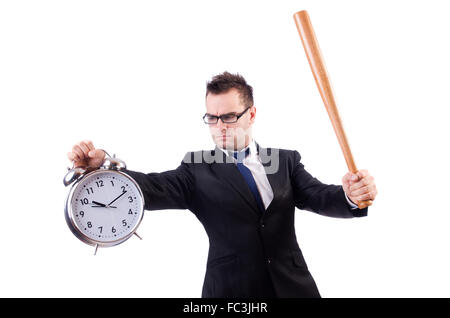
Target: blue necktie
(246, 173)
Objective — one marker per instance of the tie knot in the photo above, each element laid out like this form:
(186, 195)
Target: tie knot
(240, 155)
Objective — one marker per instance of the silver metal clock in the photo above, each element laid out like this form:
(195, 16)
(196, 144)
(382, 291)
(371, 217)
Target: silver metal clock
(104, 206)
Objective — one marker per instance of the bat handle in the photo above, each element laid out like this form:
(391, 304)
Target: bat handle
(361, 204)
(364, 204)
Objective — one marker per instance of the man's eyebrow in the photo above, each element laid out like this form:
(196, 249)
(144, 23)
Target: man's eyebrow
(230, 113)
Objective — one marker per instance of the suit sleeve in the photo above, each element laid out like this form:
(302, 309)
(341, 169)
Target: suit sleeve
(172, 189)
(325, 199)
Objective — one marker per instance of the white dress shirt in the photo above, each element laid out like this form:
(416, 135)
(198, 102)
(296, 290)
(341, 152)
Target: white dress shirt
(253, 163)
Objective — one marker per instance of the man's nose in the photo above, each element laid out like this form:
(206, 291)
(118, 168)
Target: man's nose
(220, 125)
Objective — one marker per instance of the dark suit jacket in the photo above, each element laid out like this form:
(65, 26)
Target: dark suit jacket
(250, 255)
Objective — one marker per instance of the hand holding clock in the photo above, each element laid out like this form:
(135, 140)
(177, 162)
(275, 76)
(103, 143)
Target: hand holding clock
(85, 155)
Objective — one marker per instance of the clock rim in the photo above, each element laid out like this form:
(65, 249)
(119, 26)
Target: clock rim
(68, 211)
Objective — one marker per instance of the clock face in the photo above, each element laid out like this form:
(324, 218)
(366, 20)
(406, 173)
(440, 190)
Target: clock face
(106, 207)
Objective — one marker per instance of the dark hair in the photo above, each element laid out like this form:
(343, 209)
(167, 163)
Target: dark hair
(222, 83)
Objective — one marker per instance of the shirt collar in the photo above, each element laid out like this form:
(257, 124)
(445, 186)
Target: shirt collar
(251, 145)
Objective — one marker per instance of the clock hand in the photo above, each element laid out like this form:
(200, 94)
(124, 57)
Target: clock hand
(117, 198)
(100, 204)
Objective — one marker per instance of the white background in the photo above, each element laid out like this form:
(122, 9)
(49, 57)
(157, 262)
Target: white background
(131, 76)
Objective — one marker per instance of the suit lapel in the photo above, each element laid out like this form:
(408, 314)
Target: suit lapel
(228, 172)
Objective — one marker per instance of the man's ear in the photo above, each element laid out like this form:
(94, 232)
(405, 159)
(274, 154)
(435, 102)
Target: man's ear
(252, 111)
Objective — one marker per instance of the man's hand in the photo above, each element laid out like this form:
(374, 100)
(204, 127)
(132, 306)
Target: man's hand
(84, 155)
(360, 186)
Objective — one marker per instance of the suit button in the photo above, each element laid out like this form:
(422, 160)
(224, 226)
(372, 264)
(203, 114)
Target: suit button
(263, 225)
(269, 261)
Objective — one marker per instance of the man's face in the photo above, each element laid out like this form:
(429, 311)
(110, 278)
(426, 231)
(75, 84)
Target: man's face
(230, 136)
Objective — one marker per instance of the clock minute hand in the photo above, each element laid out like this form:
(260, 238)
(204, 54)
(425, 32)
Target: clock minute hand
(117, 198)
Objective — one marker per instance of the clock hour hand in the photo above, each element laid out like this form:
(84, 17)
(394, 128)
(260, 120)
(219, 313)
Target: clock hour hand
(101, 205)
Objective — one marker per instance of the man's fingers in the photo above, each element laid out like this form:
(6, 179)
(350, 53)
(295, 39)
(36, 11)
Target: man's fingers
(367, 196)
(77, 150)
(72, 156)
(349, 178)
(84, 154)
(91, 151)
(89, 145)
(362, 173)
(358, 185)
(84, 148)
(362, 190)
(80, 154)
(361, 183)
(345, 178)
(97, 154)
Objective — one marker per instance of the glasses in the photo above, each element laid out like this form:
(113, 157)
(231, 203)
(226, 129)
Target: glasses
(225, 118)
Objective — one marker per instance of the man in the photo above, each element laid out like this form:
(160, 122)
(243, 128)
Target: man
(245, 196)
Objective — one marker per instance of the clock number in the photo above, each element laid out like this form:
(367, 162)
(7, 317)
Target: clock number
(81, 213)
(113, 230)
(99, 183)
(124, 223)
(84, 201)
(89, 224)
(89, 190)
(101, 229)
(130, 212)
(123, 189)
(130, 198)
(112, 183)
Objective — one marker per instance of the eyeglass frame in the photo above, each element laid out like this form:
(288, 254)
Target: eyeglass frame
(238, 115)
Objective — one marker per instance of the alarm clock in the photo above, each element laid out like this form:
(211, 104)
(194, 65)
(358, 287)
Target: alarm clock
(105, 205)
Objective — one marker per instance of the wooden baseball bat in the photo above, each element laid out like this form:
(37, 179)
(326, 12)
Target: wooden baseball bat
(323, 82)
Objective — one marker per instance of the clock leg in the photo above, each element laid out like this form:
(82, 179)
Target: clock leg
(137, 235)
